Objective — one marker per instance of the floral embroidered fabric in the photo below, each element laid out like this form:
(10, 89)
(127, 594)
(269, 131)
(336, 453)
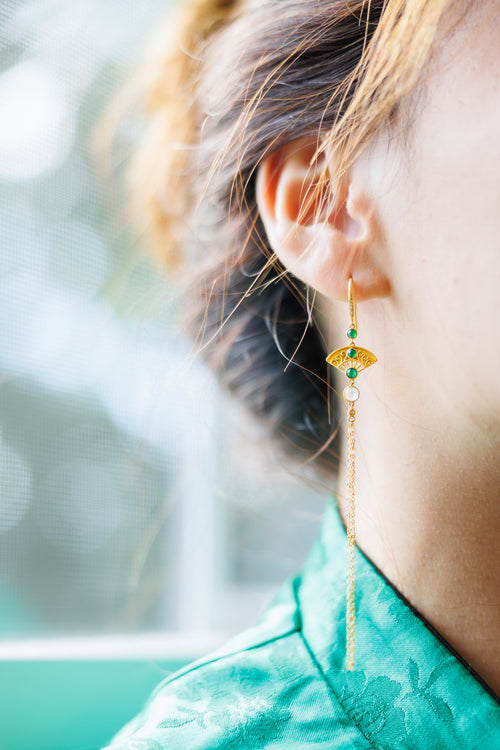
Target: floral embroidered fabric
(282, 684)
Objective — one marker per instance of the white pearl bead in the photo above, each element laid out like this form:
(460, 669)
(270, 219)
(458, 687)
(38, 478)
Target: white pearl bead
(351, 393)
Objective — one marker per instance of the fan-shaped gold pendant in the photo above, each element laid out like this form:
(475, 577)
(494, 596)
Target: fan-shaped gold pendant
(351, 360)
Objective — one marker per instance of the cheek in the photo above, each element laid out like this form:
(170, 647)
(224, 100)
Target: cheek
(441, 213)
(445, 267)
(455, 172)
(457, 233)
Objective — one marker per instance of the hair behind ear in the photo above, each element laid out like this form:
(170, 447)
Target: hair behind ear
(243, 79)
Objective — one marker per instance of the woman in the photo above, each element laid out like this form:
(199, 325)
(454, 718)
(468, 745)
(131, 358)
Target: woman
(298, 153)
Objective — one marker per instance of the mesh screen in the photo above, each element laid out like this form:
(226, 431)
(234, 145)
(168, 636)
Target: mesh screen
(117, 486)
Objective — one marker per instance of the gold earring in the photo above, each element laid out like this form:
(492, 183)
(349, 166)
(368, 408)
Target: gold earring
(351, 360)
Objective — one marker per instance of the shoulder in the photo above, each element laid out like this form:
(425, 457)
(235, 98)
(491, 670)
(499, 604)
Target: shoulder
(262, 689)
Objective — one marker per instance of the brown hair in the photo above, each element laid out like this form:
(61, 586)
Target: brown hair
(225, 84)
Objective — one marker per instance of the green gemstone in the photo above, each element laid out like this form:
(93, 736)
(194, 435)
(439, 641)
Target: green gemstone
(351, 353)
(351, 373)
(352, 333)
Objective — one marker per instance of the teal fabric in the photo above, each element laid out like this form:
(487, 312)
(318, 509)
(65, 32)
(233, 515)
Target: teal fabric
(282, 684)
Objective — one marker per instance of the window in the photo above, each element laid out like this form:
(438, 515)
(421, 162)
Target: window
(126, 506)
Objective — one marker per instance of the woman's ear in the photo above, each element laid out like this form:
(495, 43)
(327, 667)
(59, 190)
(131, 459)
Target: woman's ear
(321, 230)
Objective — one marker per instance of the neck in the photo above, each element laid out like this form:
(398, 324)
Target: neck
(428, 515)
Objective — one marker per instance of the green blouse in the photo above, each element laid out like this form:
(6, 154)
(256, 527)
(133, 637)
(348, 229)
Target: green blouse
(283, 683)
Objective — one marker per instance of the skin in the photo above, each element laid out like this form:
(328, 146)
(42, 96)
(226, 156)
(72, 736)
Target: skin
(417, 225)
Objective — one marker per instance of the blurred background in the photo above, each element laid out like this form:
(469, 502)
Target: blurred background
(131, 502)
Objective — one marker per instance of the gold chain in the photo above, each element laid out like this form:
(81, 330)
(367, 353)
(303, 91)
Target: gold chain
(351, 540)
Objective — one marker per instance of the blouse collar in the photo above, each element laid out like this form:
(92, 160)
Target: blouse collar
(408, 688)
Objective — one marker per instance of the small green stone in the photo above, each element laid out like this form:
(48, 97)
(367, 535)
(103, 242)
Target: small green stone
(351, 353)
(352, 333)
(351, 373)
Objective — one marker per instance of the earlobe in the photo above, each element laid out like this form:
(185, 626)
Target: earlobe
(321, 231)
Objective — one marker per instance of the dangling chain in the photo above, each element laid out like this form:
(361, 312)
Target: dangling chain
(351, 539)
